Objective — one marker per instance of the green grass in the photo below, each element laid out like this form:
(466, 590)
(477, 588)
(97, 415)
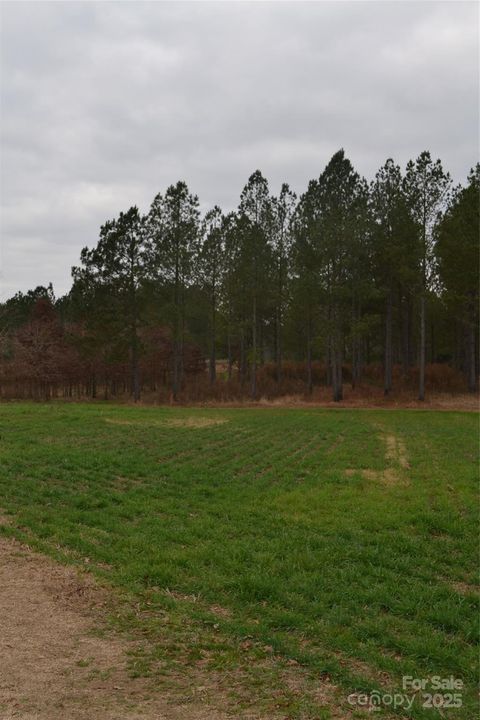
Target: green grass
(357, 577)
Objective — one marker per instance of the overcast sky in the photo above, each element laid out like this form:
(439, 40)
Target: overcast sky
(105, 104)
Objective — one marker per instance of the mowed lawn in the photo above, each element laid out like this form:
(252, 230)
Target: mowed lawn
(341, 542)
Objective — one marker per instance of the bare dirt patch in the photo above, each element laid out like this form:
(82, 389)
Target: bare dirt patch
(220, 611)
(5, 520)
(195, 422)
(53, 667)
(389, 476)
(122, 483)
(362, 668)
(188, 422)
(117, 421)
(464, 588)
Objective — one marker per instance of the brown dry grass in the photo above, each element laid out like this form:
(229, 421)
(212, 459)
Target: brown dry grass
(195, 422)
(188, 422)
(463, 588)
(361, 398)
(396, 451)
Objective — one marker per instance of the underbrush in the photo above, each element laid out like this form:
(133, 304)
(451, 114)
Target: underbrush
(197, 388)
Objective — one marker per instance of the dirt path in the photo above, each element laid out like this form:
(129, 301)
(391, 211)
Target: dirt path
(52, 667)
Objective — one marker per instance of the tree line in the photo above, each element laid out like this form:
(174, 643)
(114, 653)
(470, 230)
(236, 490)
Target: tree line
(348, 274)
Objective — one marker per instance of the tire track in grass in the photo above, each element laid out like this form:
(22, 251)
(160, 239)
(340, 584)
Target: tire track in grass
(396, 459)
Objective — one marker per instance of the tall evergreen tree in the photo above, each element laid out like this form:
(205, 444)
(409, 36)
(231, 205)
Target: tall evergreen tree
(283, 209)
(117, 265)
(426, 186)
(458, 253)
(339, 191)
(394, 249)
(210, 270)
(256, 212)
(235, 301)
(173, 226)
(305, 272)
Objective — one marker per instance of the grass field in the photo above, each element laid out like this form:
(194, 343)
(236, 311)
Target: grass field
(339, 547)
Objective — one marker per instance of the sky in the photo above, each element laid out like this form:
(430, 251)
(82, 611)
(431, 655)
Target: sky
(105, 104)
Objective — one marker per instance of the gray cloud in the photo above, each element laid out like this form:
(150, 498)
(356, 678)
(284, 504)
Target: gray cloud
(105, 104)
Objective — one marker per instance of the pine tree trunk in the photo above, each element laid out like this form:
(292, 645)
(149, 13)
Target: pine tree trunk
(328, 367)
(229, 355)
(472, 378)
(181, 353)
(242, 368)
(405, 338)
(476, 349)
(135, 376)
(337, 373)
(388, 346)
(260, 345)
(334, 372)
(135, 372)
(134, 350)
(354, 363)
(254, 349)
(329, 359)
(421, 379)
(339, 395)
(176, 329)
(309, 369)
(457, 353)
(213, 359)
(175, 369)
(309, 357)
(354, 346)
(432, 341)
(278, 345)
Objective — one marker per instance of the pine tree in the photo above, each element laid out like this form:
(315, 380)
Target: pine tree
(256, 213)
(338, 193)
(394, 249)
(116, 268)
(458, 253)
(426, 187)
(306, 279)
(283, 209)
(210, 271)
(173, 226)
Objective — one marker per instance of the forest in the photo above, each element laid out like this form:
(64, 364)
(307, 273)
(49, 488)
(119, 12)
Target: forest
(354, 282)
